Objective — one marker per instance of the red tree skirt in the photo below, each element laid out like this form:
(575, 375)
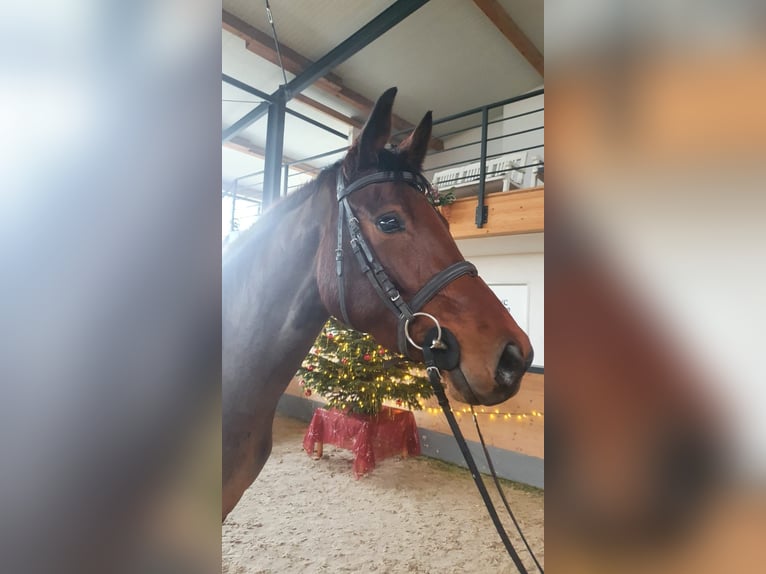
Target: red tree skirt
(370, 438)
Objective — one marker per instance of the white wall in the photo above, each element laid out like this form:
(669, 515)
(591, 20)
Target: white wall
(516, 259)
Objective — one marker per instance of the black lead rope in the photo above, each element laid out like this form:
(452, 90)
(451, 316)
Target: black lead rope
(448, 359)
(501, 493)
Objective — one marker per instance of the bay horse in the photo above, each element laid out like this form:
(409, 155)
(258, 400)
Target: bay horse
(358, 242)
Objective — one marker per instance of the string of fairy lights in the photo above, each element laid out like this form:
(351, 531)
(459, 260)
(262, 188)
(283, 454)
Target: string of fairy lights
(493, 415)
(350, 371)
(488, 412)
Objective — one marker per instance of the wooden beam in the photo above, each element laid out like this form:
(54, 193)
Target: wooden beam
(397, 123)
(262, 44)
(243, 145)
(327, 110)
(509, 213)
(515, 35)
(238, 144)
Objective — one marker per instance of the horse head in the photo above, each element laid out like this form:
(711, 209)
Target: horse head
(411, 241)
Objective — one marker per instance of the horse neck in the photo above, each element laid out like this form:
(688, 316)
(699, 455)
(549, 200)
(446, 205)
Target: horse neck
(272, 311)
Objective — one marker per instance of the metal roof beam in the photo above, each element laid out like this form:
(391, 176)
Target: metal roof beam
(246, 88)
(263, 95)
(262, 45)
(367, 34)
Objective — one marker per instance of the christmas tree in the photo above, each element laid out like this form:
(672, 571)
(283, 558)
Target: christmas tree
(355, 374)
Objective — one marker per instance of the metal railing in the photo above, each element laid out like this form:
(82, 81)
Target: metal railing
(509, 142)
(236, 191)
(477, 150)
(498, 132)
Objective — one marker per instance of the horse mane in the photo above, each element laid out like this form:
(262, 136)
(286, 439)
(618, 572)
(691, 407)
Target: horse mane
(274, 215)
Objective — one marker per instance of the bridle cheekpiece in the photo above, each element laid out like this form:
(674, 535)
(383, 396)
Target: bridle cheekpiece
(371, 267)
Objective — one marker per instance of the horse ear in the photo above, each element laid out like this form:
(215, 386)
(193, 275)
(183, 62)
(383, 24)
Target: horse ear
(416, 145)
(374, 134)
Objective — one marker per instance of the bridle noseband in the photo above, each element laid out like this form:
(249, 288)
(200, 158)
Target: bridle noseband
(372, 268)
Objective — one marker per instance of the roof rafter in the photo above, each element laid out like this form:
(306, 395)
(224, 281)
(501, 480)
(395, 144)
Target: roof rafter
(332, 112)
(244, 145)
(262, 44)
(515, 35)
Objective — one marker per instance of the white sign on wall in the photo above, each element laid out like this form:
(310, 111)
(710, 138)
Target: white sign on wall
(515, 298)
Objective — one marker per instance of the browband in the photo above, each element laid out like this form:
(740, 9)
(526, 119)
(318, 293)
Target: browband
(415, 179)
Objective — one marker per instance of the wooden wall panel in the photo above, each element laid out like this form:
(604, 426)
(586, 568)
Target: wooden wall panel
(525, 434)
(509, 213)
(522, 432)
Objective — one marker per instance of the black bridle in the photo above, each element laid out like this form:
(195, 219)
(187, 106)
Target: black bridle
(372, 268)
(441, 350)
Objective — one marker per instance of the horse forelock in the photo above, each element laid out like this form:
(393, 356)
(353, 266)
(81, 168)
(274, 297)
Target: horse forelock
(393, 160)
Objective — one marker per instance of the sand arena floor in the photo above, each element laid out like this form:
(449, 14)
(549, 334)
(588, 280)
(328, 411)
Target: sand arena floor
(412, 515)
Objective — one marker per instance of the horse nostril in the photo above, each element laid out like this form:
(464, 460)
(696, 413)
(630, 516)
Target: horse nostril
(510, 367)
(513, 360)
(511, 353)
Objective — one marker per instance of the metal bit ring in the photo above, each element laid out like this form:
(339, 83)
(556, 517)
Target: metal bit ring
(438, 330)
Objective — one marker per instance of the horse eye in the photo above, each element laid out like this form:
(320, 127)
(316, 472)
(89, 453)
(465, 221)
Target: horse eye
(390, 223)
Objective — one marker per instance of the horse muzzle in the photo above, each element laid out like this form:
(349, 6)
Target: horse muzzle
(506, 383)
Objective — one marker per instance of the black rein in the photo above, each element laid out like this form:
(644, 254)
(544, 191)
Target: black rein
(441, 350)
